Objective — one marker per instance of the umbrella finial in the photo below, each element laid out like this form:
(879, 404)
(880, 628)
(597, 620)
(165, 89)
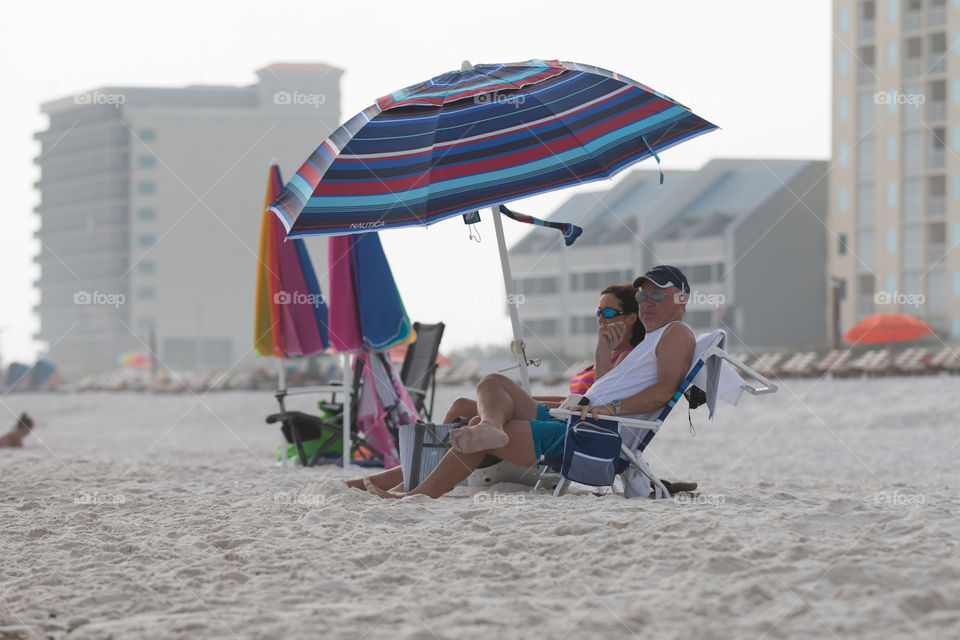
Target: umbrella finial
(466, 66)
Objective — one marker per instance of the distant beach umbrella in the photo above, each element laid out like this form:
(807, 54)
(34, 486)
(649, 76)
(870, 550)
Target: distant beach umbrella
(884, 328)
(477, 137)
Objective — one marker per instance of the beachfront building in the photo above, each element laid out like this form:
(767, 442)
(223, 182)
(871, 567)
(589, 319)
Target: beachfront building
(749, 234)
(894, 205)
(150, 207)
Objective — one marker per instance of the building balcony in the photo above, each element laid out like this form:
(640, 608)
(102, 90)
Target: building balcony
(913, 67)
(864, 304)
(937, 62)
(866, 29)
(935, 252)
(936, 111)
(936, 206)
(866, 74)
(912, 20)
(936, 17)
(936, 158)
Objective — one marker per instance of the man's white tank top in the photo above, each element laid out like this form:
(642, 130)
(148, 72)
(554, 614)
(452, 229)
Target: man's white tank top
(637, 372)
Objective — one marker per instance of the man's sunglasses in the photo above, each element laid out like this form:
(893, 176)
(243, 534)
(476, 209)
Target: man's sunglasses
(657, 295)
(610, 312)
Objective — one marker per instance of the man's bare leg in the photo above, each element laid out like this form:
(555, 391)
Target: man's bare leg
(499, 400)
(455, 465)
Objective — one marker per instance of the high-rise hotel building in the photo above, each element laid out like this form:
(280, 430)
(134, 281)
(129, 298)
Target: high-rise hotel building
(894, 206)
(150, 206)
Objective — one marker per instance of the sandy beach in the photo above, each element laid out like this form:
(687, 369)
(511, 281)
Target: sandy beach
(827, 510)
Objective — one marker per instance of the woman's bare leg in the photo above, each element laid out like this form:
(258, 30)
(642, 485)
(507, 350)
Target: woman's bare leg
(499, 400)
(455, 465)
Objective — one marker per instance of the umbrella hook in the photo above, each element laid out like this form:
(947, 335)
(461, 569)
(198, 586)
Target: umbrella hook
(471, 219)
(522, 347)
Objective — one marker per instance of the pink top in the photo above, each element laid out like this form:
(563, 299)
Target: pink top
(583, 380)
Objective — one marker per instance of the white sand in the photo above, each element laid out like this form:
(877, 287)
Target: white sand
(827, 510)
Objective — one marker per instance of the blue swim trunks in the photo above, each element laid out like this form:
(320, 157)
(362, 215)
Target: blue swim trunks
(548, 433)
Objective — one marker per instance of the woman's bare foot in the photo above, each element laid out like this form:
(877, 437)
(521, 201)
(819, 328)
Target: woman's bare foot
(356, 483)
(377, 491)
(480, 437)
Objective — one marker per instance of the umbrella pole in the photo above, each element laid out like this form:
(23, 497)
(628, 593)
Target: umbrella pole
(517, 346)
(347, 394)
(281, 390)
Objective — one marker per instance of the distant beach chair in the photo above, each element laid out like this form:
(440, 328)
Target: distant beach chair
(872, 363)
(597, 451)
(799, 364)
(946, 360)
(912, 361)
(834, 363)
(766, 364)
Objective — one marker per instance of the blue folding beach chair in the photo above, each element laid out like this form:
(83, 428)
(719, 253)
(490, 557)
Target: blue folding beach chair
(595, 451)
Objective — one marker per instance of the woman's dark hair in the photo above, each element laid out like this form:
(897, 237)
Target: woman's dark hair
(626, 294)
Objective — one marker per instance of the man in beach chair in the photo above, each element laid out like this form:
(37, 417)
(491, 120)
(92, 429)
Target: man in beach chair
(512, 426)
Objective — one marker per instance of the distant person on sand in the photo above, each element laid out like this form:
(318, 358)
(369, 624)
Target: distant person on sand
(619, 331)
(513, 427)
(14, 437)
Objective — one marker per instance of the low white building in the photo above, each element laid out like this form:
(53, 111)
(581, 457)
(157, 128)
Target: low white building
(748, 234)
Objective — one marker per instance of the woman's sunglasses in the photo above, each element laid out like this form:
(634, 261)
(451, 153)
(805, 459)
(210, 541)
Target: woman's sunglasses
(657, 295)
(610, 312)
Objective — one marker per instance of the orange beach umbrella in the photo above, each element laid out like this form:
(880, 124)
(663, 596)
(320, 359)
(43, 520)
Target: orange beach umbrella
(881, 328)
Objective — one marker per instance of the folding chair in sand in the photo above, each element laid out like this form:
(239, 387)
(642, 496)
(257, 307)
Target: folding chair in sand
(595, 452)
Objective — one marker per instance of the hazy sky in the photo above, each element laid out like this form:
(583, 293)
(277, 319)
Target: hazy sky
(759, 69)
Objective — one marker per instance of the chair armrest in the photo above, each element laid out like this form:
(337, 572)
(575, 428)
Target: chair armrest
(653, 425)
(766, 385)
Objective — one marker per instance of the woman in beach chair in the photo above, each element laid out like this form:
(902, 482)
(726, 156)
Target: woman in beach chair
(619, 331)
(513, 426)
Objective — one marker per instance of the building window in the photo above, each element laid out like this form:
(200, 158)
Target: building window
(891, 285)
(842, 244)
(842, 199)
(146, 214)
(541, 328)
(891, 189)
(147, 135)
(865, 300)
(865, 203)
(936, 241)
(866, 249)
(866, 111)
(146, 240)
(146, 293)
(843, 109)
(145, 323)
(583, 325)
(146, 188)
(913, 151)
(936, 196)
(912, 198)
(147, 266)
(892, 55)
(866, 158)
(595, 280)
(936, 292)
(891, 240)
(843, 18)
(538, 286)
(843, 64)
(912, 245)
(843, 154)
(891, 148)
(146, 162)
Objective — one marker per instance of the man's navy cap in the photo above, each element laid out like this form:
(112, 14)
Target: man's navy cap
(665, 276)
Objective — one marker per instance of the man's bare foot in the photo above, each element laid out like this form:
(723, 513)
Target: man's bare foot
(377, 491)
(481, 437)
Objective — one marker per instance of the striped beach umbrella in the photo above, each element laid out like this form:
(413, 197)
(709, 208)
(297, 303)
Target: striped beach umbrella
(481, 136)
(291, 314)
